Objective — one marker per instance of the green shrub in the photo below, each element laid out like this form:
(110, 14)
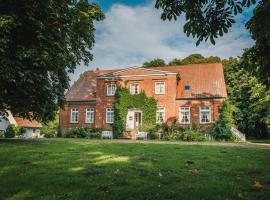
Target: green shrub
(83, 133)
(50, 129)
(222, 127)
(2, 134)
(13, 130)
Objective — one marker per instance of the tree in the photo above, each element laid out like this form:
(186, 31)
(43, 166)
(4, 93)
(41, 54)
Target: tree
(205, 19)
(154, 63)
(41, 42)
(222, 127)
(250, 97)
(195, 59)
(210, 19)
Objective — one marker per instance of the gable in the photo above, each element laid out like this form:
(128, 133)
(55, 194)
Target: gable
(135, 71)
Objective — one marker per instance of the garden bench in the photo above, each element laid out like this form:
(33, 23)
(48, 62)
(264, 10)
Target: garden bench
(142, 135)
(107, 134)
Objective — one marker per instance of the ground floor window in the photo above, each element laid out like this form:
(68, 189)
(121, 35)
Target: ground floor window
(184, 115)
(74, 116)
(160, 115)
(205, 114)
(109, 115)
(89, 116)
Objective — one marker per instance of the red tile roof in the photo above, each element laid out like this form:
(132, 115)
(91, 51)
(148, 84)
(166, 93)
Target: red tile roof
(205, 80)
(27, 123)
(85, 87)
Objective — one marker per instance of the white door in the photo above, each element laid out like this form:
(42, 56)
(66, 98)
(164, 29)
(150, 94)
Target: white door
(130, 120)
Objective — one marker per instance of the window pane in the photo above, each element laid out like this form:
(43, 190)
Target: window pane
(205, 114)
(184, 115)
(89, 115)
(159, 87)
(160, 116)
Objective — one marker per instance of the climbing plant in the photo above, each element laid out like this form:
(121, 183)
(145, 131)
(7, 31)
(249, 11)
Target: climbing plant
(124, 101)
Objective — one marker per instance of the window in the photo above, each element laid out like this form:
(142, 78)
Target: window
(109, 115)
(184, 115)
(74, 115)
(89, 115)
(111, 89)
(187, 87)
(205, 114)
(159, 88)
(134, 88)
(160, 115)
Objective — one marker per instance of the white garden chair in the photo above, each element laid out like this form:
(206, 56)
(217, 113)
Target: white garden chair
(107, 134)
(141, 134)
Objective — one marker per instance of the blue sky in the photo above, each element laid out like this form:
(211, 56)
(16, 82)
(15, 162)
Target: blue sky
(133, 33)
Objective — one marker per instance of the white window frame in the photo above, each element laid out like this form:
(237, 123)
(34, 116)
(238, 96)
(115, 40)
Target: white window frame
(72, 112)
(132, 88)
(184, 109)
(157, 91)
(111, 111)
(89, 112)
(202, 109)
(164, 115)
(110, 91)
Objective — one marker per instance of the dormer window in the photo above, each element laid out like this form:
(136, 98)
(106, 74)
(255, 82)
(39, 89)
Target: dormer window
(134, 88)
(111, 88)
(187, 87)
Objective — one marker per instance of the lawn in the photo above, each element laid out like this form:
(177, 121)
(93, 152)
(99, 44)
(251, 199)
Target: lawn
(85, 169)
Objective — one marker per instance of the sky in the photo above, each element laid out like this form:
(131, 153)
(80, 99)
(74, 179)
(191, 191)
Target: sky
(133, 33)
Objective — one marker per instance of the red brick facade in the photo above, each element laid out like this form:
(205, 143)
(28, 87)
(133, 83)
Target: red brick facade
(202, 92)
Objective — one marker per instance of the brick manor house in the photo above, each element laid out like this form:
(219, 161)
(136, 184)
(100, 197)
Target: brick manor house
(190, 93)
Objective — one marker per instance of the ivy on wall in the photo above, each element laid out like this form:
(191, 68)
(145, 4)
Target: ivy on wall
(124, 101)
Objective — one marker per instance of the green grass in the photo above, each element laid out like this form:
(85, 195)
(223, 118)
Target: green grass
(84, 169)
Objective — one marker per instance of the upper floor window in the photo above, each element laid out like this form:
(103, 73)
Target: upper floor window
(111, 88)
(160, 115)
(187, 87)
(160, 88)
(109, 115)
(89, 115)
(205, 114)
(74, 115)
(134, 88)
(184, 115)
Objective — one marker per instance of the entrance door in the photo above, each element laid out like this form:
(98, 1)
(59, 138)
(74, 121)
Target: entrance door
(137, 119)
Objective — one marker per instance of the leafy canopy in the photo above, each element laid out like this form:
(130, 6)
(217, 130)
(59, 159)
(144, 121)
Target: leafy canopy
(40, 43)
(205, 19)
(154, 63)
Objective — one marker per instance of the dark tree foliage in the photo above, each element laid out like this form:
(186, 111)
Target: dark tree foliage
(258, 57)
(195, 59)
(205, 19)
(154, 63)
(40, 43)
(250, 97)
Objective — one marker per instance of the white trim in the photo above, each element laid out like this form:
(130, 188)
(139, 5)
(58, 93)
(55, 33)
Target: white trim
(93, 111)
(109, 75)
(210, 115)
(128, 76)
(164, 92)
(180, 115)
(110, 84)
(75, 110)
(112, 111)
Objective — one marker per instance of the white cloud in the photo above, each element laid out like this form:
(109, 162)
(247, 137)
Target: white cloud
(130, 36)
